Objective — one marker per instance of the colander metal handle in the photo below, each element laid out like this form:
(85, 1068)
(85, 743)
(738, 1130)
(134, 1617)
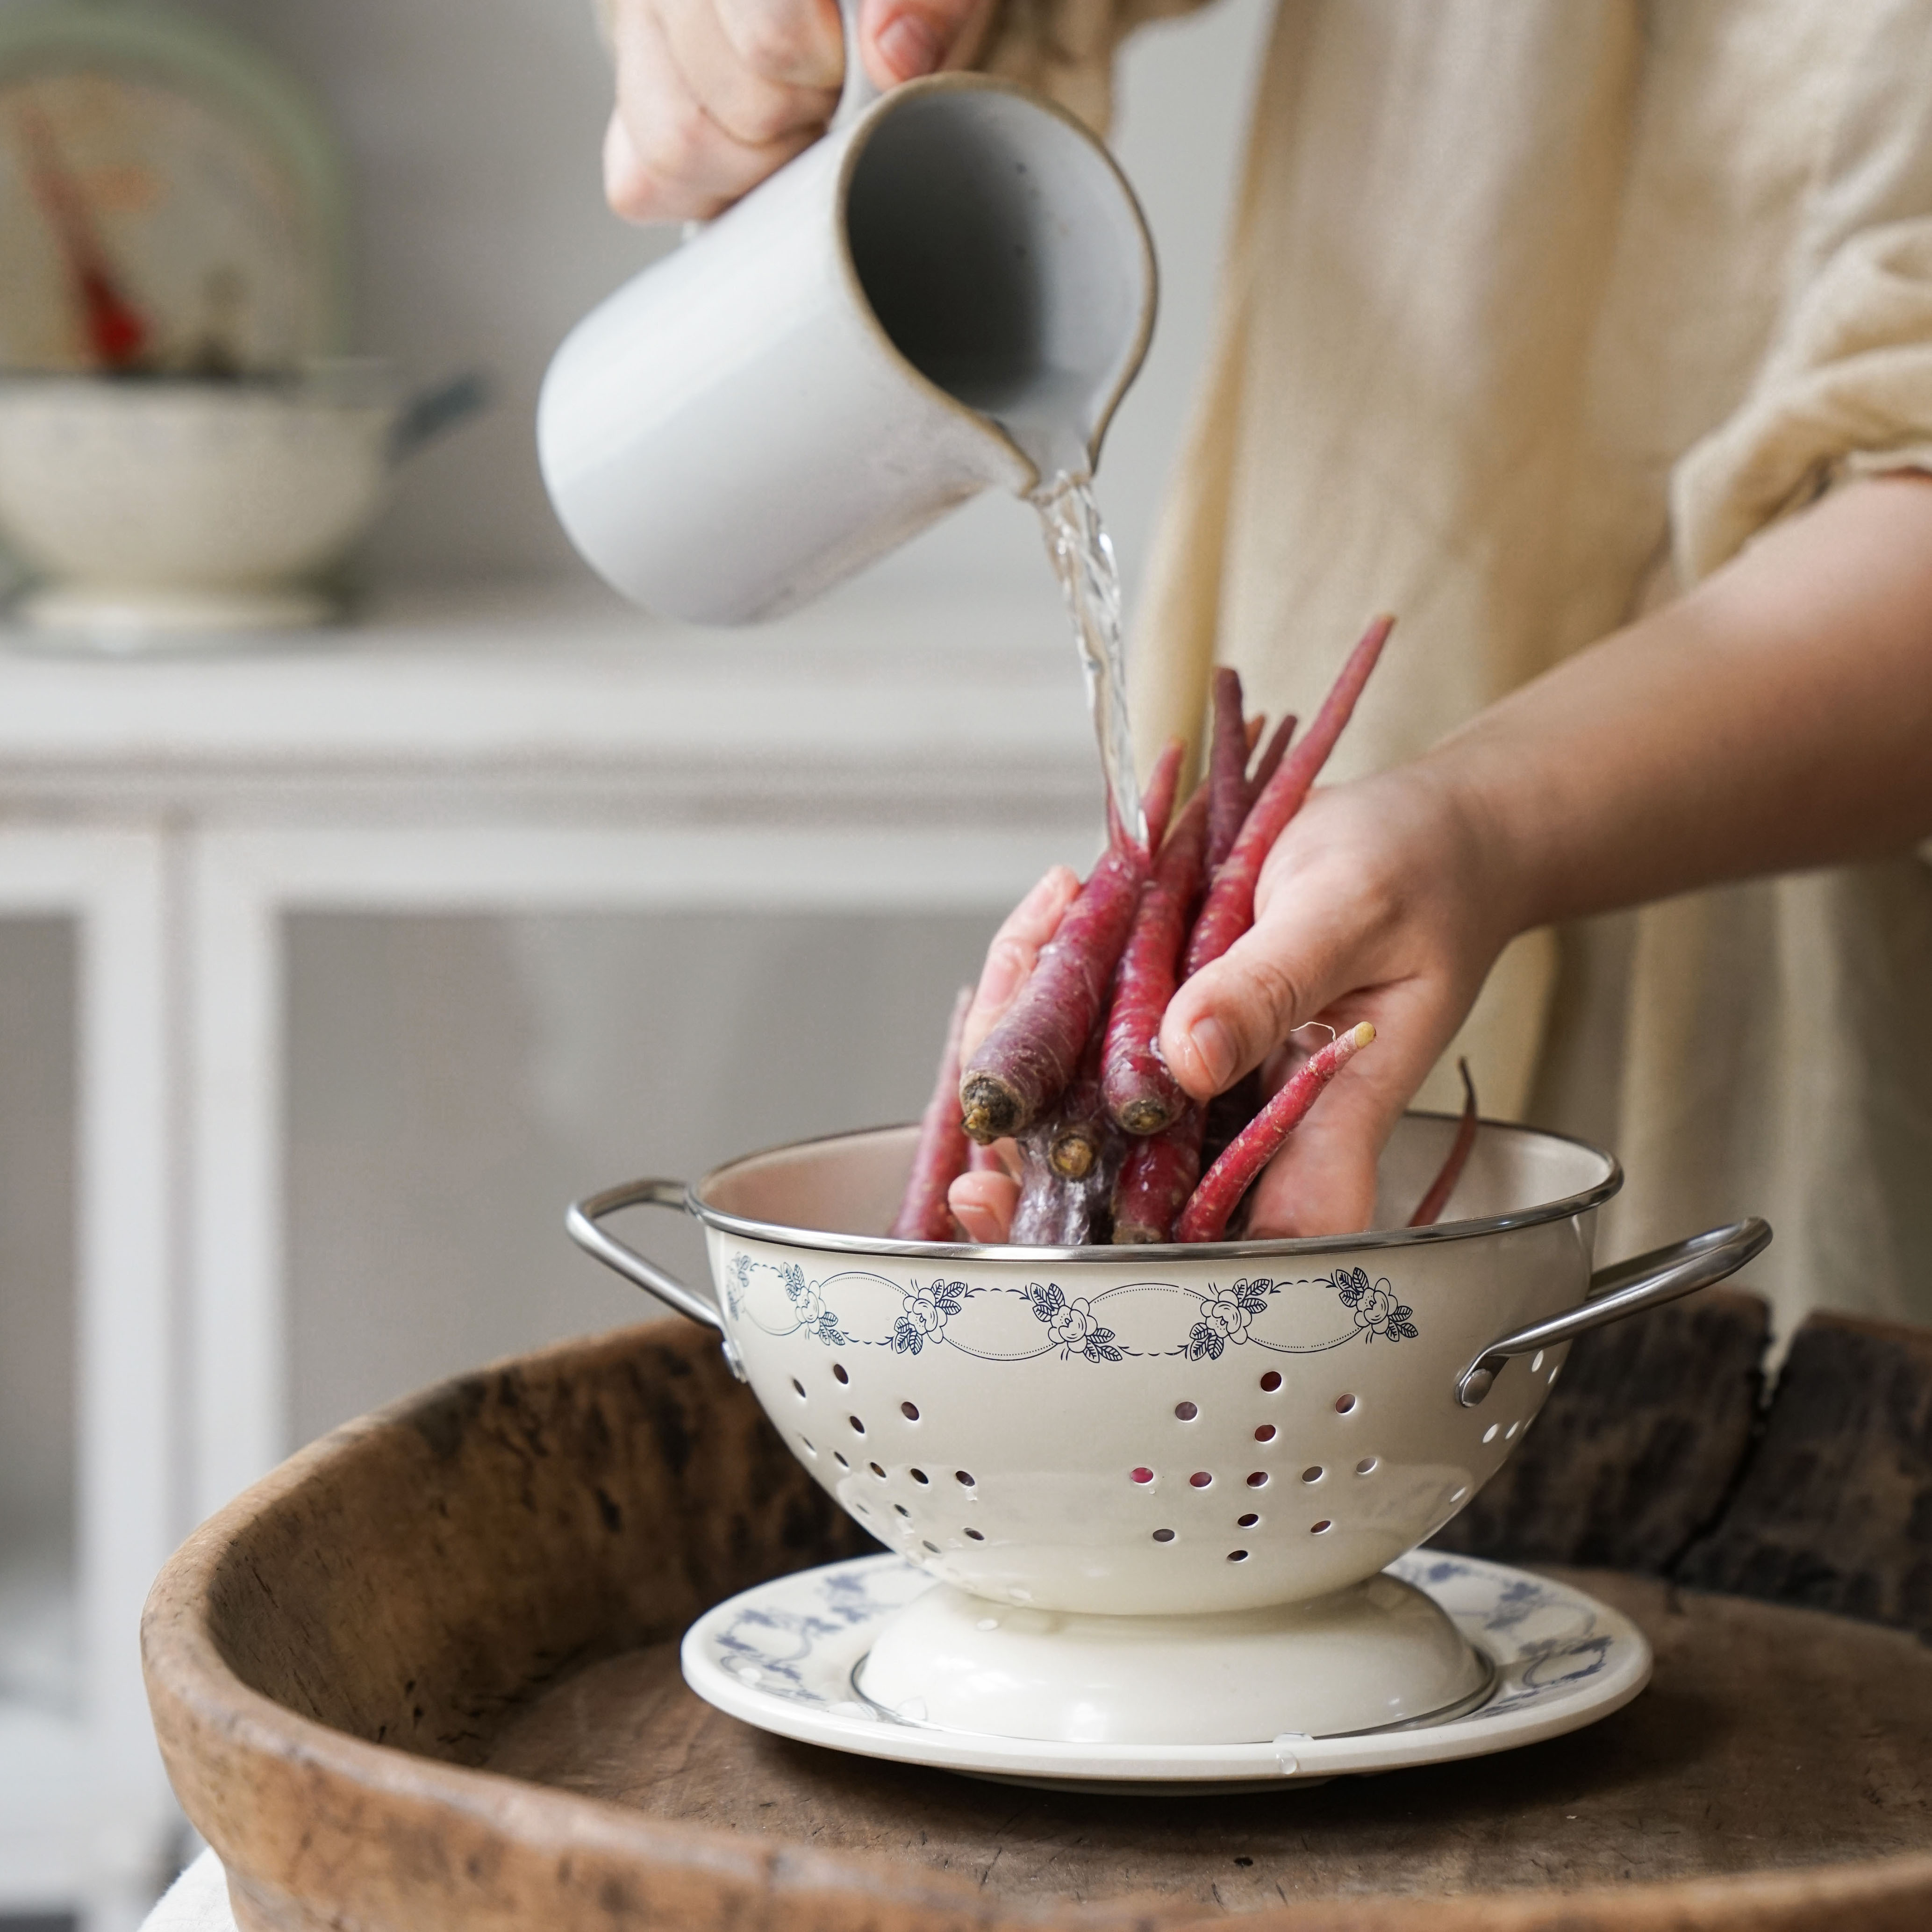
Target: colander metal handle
(580, 1223)
(1625, 1287)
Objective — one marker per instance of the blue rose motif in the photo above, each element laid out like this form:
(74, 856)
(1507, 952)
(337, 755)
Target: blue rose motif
(1072, 1324)
(1374, 1306)
(924, 1314)
(1226, 1315)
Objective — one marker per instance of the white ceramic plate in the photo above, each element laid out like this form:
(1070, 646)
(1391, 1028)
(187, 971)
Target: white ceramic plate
(782, 1656)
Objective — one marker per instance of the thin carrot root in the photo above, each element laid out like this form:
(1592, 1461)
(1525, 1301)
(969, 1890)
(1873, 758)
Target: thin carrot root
(1269, 762)
(1158, 795)
(941, 1153)
(1024, 1064)
(1227, 767)
(1141, 1095)
(1158, 1174)
(1230, 907)
(1077, 1133)
(1429, 1209)
(1225, 1184)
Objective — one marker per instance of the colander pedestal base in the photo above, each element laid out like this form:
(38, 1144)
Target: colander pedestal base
(1377, 1654)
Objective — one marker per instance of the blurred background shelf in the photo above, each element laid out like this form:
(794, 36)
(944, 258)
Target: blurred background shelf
(333, 970)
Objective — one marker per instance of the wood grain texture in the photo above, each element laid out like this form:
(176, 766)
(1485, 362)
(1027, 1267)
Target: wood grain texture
(344, 1664)
(1637, 1447)
(1835, 1509)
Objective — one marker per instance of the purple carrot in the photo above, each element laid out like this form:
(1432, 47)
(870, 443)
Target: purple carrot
(1077, 1132)
(940, 1156)
(980, 1160)
(1227, 767)
(1223, 1186)
(1157, 796)
(1158, 1174)
(1230, 907)
(1024, 1064)
(1140, 1093)
(1429, 1210)
(1269, 762)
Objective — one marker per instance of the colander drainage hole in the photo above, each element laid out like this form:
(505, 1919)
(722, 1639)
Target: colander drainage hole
(1511, 1430)
(933, 1547)
(809, 1449)
(901, 1510)
(1247, 1521)
(1199, 1480)
(1536, 1361)
(906, 1410)
(858, 1427)
(800, 1386)
(1265, 1433)
(962, 1478)
(1271, 1381)
(1554, 1373)
(976, 1535)
(1237, 1556)
(1312, 1474)
(1258, 1479)
(1490, 1434)
(840, 1460)
(1366, 1465)
(1163, 1536)
(1185, 1411)
(1459, 1495)
(1343, 1403)
(877, 1471)
(1140, 1475)
(1321, 1528)
(838, 1372)
(918, 1476)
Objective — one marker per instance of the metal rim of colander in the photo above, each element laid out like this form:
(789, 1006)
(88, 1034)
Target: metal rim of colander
(1544, 1212)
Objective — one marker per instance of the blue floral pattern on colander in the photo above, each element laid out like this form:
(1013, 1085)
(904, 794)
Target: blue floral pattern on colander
(999, 1322)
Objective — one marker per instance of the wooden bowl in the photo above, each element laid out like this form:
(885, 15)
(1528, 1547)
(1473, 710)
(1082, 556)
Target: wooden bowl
(423, 1678)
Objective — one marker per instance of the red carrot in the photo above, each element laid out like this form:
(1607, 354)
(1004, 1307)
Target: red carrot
(1158, 1174)
(1024, 1064)
(1157, 796)
(1230, 907)
(940, 1156)
(1208, 1212)
(980, 1160)
(1227, 767)
(1142, 1096)
(1429, 1210)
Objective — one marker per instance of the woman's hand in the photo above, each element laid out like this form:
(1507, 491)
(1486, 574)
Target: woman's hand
(1375, 904)
(713, 95)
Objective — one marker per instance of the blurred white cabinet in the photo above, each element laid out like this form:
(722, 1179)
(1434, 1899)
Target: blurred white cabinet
(519, 751)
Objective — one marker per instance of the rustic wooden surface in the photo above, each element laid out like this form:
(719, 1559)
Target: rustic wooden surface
(1638, 1446)
(1835, 1509)
(488, 1579)
(1704, 1773)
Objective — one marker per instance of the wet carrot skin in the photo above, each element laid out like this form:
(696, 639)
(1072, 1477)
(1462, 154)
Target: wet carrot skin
(1141, 1096)
(1023, 1066)
(1158, 1174)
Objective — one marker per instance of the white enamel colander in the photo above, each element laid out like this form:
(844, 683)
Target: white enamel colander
(1157, 1431)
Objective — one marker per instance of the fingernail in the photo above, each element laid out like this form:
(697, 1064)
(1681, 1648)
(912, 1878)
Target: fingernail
(910, 47)
(1214, 1048)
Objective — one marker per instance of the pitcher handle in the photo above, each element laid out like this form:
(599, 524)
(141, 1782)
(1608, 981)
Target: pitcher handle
(859, 93)
(1625, 1287)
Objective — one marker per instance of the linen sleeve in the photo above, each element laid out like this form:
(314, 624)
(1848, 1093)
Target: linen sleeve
(1847, 393)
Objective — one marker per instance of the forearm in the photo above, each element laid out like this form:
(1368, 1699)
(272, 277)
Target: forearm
(1778, 717)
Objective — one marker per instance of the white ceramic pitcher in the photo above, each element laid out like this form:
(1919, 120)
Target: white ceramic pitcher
(952, 289)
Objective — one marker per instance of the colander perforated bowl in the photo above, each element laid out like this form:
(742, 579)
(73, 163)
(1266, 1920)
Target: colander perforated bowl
(1157, 1431)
